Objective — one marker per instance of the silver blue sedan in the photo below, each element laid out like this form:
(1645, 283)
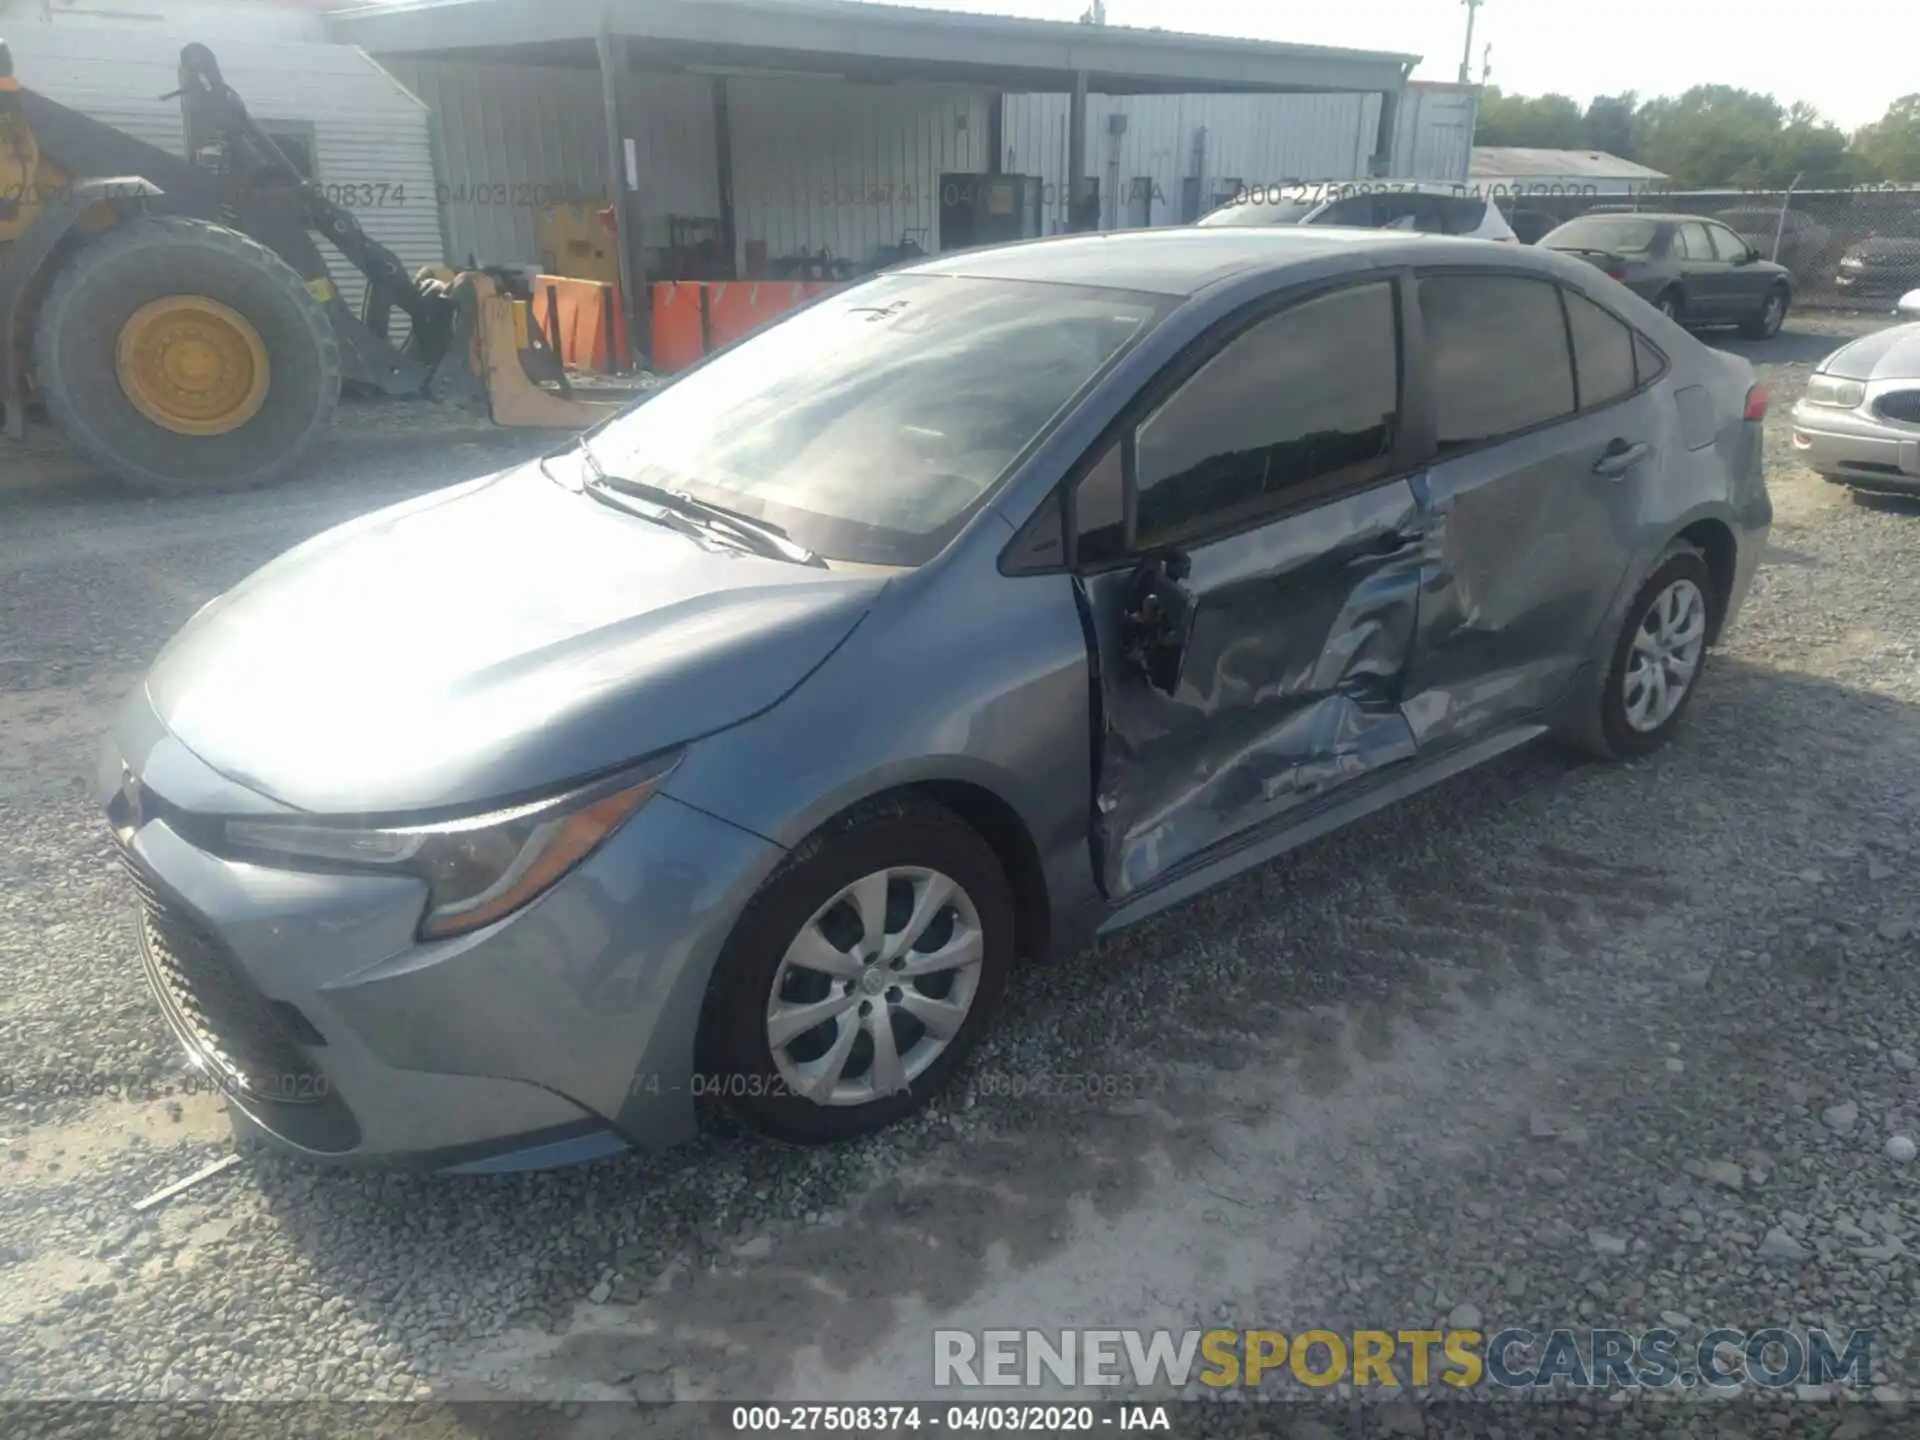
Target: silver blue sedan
(743, 752)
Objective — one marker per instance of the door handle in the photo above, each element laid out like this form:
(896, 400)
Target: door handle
(1620, 457)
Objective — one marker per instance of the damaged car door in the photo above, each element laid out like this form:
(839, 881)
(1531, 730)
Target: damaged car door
(1533, 495)
(1249, 555)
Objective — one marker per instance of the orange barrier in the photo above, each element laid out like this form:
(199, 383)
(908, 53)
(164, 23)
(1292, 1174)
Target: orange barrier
(679, 324)
(694, 317)
(592, 330)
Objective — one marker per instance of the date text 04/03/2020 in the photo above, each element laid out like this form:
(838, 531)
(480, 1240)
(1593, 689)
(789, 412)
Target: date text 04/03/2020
(989, 1418)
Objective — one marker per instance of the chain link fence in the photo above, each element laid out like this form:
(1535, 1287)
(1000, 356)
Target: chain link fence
(1851, 248)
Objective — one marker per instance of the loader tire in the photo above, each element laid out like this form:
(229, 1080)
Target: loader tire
(186, 357)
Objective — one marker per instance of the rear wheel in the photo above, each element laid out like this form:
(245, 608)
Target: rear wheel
(1772, 315)
(1656, 662)
(1668, 303)
(184, 356)
(859, 977)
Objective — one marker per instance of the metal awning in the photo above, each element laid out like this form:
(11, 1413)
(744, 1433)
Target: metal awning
(854, 40)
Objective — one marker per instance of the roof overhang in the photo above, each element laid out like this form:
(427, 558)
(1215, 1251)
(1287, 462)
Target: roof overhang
(856, 40)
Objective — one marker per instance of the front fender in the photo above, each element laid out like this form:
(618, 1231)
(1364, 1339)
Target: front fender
(25, 269)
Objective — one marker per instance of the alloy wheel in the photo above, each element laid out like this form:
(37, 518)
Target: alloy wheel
(1774, 314)
(875, 987)
(1665, 658)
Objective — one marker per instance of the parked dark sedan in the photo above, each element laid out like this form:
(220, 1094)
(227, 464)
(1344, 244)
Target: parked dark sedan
(1694, 270)
(747, 747)
(1882, 265)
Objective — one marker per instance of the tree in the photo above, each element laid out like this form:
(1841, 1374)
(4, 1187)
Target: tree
(1551, 122)
(1889, 148)
(1712, 135)
(1612, 122)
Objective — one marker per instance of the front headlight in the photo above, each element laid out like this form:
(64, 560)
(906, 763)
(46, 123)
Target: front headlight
(479, 868)
(1831, 390)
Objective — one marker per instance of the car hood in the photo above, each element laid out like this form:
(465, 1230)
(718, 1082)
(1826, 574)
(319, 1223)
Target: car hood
(484, 643)
(1890, 354)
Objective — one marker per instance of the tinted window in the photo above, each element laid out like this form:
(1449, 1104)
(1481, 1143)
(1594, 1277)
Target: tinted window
(1726, 244)
(1100, 512)
(1308, 399)
(1602, 352)
(1356, 210)
(1499, 352)
(1461, 216)
(1647, 361)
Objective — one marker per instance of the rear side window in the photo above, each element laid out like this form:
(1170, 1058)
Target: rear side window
(1305, 402)
(1602, 352)
(1690, 243)
(1356, 210)
(1498, 348)
(1461, 215)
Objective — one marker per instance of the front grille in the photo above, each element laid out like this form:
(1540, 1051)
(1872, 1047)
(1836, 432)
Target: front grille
(227, 1022)
(1900, 405)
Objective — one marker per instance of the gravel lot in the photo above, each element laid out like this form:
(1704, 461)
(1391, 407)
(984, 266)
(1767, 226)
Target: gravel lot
(1559, 1044)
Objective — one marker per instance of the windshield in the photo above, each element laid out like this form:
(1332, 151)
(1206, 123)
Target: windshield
(871, 424)
(1616, 234)
(1264, 208)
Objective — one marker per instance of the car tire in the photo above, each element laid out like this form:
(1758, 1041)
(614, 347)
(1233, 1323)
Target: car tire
(1620, 724)
(831, 1080)
(1671, 304)
(1773, 314)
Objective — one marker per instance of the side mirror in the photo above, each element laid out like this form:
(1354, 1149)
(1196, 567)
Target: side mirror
(1158, 620)
(1909, 305)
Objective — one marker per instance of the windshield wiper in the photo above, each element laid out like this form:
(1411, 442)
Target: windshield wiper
(759, 536)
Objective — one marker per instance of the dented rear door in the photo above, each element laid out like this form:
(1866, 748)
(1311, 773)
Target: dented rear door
(1249, 556)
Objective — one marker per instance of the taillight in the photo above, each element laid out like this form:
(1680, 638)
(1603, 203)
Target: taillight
(1615, 273)
(1757, 403)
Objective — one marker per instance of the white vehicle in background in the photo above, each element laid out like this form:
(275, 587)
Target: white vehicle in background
(1430, 207)
(1858, 423)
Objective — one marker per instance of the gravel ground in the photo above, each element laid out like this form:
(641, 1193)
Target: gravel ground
(1559, 1044)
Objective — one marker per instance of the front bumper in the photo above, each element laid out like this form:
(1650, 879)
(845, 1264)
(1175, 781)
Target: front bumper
(559, 1034)
(1889, 283)
(1856, 446)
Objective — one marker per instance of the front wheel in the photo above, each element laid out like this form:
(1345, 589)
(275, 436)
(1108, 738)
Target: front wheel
(1773, 314)
(859, 976)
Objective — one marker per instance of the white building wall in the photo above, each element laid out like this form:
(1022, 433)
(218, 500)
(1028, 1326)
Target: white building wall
(1226, 141)
(370, 137)
(1433, 131)
(212, 22)
(848, 168)
(511, 138)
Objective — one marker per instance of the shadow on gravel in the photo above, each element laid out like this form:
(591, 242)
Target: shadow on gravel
(1887, 504)
(1280, 988)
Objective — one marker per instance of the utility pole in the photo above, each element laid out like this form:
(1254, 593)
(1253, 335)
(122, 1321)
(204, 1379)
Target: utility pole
(1486, 62)
(1466, 55)
(1096, 13)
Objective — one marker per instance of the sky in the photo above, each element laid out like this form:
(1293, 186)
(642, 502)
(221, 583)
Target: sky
(1850, 61)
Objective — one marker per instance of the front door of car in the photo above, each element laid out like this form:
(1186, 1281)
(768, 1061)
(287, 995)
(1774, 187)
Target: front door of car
(1533, 499)
(1747, 284)
(1707, 278)
(1248, 553)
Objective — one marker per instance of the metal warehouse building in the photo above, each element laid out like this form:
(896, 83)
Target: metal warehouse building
(758, 129)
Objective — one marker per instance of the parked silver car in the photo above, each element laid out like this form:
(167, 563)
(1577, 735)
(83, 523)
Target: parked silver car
(1858, 421)
(745, 749)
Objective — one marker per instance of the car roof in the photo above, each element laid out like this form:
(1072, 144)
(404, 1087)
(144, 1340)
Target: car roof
(1185, 260)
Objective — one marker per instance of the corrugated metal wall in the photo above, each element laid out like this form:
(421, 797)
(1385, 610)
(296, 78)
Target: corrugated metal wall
(371, 142)
(816, 164)
(1229, 140)
(847, 167)
(511, 137)
(1433, 134)
(1224, 140)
